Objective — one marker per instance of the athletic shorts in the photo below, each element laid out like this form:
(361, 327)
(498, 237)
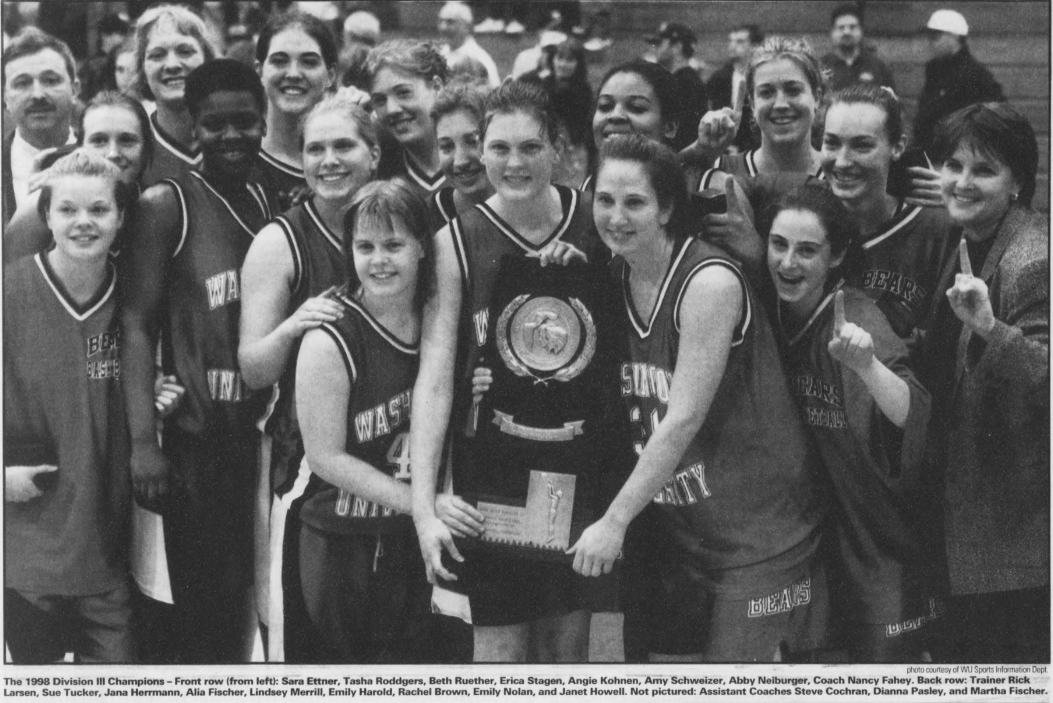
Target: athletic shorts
(40, 628)
(512, 590)
(688, 615)
(367, 599)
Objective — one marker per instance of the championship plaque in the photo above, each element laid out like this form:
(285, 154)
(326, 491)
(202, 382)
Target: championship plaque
(541, 428)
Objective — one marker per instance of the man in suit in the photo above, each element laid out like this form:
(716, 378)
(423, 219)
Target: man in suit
(40, 89)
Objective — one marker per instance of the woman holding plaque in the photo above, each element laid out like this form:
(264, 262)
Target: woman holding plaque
(482, 255)
(721, 453)
(362, 581)
(989, 366)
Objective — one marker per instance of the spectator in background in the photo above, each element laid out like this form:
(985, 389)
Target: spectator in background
(455, 23)
(240, 45)
(535, 59)
(567, 84)
(40, 88)
(953, 78)
(852, 61)
(97, 72)
(730, 78)
(361, 33)
(674, 45)
(361, 29)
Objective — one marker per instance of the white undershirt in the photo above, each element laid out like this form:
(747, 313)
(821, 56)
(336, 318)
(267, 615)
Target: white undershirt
(22, 155)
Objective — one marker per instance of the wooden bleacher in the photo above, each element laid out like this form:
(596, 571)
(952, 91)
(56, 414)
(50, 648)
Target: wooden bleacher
(1010, 38)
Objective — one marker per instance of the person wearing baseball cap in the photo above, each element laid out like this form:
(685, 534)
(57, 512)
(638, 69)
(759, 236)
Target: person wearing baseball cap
(953, 77)
(674, 45)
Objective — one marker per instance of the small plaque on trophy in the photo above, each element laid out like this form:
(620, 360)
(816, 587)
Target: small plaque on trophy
(543, 527)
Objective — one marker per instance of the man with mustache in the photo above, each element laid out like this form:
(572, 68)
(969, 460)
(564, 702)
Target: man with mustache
(183, 285)
(40, 87)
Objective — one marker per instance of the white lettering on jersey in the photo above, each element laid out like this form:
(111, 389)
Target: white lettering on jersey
(223, 288)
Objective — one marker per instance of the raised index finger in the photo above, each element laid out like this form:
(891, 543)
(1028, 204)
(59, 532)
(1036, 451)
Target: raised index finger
(963, 256)
(839, 312)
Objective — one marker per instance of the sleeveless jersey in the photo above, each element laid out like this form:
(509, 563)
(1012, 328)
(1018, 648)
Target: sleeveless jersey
(745, 489)
(883, 508)
(318, 264)
(200, 332)
(481, 238)
(442, 208)
(903, 263)
(61, 393)
(381, 369)
(743, 165)
(170, 159)
(278, 179)
(396, 163)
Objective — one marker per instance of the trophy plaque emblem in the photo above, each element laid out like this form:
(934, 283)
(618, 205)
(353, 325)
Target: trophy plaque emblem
(541, 430)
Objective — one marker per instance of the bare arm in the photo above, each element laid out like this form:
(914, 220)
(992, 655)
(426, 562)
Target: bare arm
(144, 271)
(322, 389)
(711, 308)
(432, 402)
(854, 348)
(268, 331)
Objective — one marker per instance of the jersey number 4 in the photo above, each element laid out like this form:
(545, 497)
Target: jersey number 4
(398, 457)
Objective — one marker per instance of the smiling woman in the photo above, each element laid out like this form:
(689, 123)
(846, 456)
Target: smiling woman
(290, 265)
(66, 482)
(296, 58)
(183, 281)
(171, 41)
(114, 127)
(404, 79)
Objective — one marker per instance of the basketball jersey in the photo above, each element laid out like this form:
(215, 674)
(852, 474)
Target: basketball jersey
(903, 264)
(200, 330)
(61, 392)
(170, 159)
(381, 370)
(279, 179)
(481, 238)
(742, 165)
(397, 163)
(318, 264)
(883, 513)
(442, 208)
(745, 489)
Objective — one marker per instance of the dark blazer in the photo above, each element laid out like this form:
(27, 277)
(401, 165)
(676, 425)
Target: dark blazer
(997, 443)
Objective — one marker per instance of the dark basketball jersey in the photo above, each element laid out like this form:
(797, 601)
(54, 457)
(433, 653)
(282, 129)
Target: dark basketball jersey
(442, 208)
(481, 238)
(278, 179)
(170, 159)
(742, 165)
(883, 509)
(318, 265)
(61, 393)
(903, 263)
(396, 163)
(381, 370)
(200, 332)
(745, 489)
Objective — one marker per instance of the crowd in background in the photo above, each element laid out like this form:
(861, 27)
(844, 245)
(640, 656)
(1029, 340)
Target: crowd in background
(250, 253)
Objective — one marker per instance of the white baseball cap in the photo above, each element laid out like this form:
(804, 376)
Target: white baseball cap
(948, 21)
(455, 10)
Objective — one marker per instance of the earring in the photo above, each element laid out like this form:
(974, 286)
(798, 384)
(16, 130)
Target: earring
(1014, 197)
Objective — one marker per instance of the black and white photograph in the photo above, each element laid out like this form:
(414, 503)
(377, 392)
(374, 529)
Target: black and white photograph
(670, 349)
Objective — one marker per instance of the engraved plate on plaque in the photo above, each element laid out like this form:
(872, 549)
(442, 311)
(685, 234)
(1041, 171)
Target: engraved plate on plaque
(543, 523)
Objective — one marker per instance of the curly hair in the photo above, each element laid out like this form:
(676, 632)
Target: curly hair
(417, 58)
